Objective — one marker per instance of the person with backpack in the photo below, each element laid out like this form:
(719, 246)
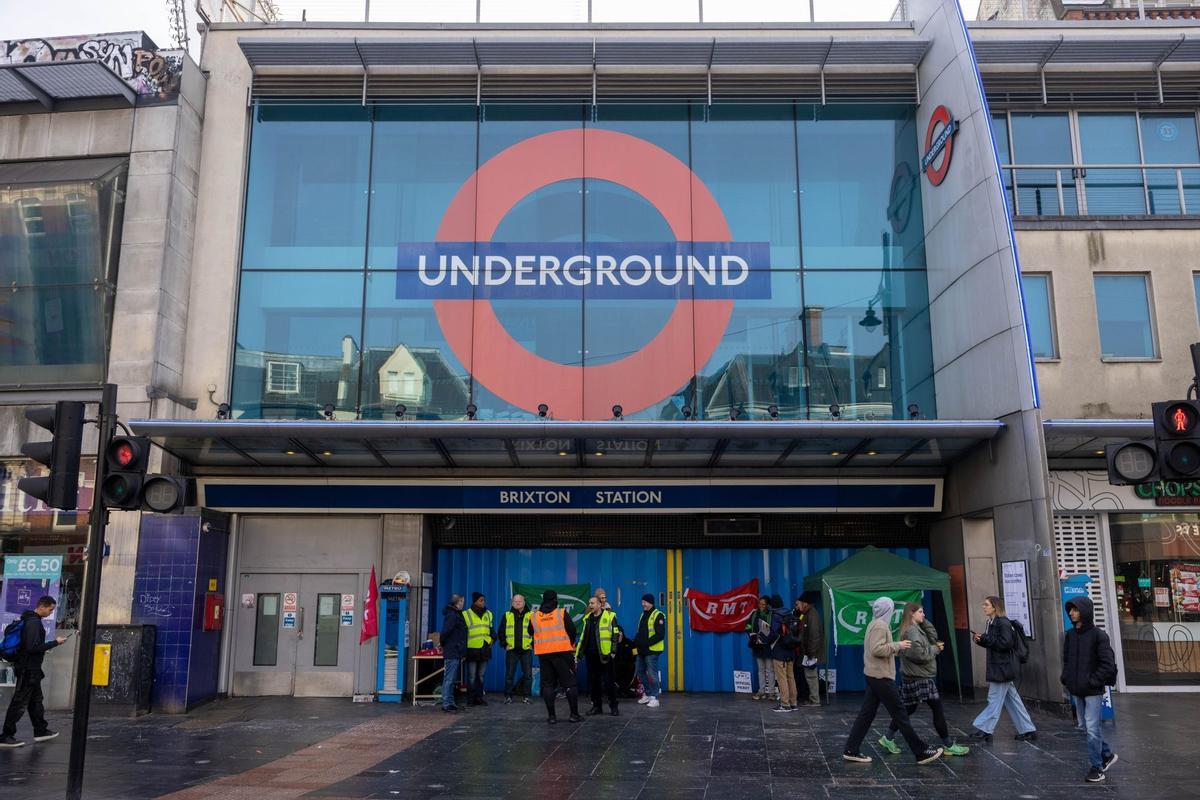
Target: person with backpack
(918, 670)
(1006, 649)
(783, 643)
(26, 656)
(1089, 665)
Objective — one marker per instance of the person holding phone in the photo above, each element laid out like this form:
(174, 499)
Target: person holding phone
(1003, 669)
(28, 667)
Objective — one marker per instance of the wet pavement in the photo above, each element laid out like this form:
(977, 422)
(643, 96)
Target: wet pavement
(702, 746)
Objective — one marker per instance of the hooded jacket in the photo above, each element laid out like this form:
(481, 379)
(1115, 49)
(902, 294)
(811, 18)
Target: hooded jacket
(549, 603)
(1088, 660)
(879, 651)
(783, 635)
(454, 633)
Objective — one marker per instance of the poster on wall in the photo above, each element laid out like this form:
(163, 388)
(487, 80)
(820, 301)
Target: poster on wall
(1185, 587)
(1014, 583)
(27, 578)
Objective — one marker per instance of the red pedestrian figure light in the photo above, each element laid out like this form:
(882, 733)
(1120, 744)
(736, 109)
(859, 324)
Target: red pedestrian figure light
(1180, 419)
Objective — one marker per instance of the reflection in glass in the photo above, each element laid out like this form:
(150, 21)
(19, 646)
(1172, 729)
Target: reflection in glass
(1038, 315)
(306, 192)
(297, 345)
(266, 631)
(868, 343)
(1171, 139)
(1123, 310)
(58, 245)
(1111, 139)
(860, 202)
(325, 649)
(1043, 139)
(1004, 153)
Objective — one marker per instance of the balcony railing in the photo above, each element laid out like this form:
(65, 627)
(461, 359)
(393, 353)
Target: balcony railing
(1069, 190)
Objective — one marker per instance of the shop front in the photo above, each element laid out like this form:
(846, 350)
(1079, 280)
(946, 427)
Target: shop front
(1141, 546)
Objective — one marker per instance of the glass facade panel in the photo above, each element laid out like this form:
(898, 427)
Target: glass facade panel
(1004, 153)
(1156, 566)
(1171, 139)
(306, 197)
(1123, 310)
(57, 262)
(860, 203)
(1111, 139)
(1043, 139)
(297, 344)
(1039, 315)
(644, 256)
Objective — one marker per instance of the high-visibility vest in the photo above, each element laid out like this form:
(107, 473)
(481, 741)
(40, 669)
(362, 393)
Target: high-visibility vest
(510, 633)
(605, 629)
(479, 629)
(655, 614)
(550, 633)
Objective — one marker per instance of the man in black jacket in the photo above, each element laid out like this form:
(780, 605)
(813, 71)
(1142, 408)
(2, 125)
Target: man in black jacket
(28, 666)
(1089, 665)
(453, 637)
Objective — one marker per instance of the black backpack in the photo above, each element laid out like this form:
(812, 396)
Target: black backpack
(1020, 641)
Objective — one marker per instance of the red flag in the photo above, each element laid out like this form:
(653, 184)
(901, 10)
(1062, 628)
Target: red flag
(722, 613)
(370, 623)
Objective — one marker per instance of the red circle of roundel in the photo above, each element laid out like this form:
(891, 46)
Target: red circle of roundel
(940, 115)
(637, 381)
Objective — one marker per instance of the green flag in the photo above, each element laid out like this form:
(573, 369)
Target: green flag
(571, 596)
(852, 613)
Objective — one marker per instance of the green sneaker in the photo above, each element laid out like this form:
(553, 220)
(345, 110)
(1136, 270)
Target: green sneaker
(889, 745)
(956, 750)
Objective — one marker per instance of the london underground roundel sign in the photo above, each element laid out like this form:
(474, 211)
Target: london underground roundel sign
(703, 272)
(939, 145)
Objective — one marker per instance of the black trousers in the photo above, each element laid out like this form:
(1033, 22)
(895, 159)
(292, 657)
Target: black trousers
(511, 659)
(602, 680)
(27, 696)
(558, 672)
(882, 690)
(939, 718)
(801, 680)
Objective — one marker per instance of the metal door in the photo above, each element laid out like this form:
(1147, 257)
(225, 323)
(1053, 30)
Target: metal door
(293, 637)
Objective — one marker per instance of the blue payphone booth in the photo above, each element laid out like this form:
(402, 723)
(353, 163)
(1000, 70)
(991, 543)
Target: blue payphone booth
(393, 641)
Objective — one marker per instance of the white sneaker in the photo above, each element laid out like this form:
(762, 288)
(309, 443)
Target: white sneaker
(644, 699)
(653, 703)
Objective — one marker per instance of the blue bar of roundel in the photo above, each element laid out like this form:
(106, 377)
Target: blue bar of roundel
(454, 285)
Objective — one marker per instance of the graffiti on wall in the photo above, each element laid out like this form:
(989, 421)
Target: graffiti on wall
(152, 73)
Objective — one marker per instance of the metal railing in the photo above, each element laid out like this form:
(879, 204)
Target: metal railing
(1068, 190)
(552, 11)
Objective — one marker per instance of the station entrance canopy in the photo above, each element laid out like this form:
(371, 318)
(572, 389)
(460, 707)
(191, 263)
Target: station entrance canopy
(219, 446)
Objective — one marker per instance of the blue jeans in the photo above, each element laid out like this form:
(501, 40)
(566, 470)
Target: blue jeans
(475, 672)
(1001, 696)
(1098, 749)
(647, 670)
(448, 680)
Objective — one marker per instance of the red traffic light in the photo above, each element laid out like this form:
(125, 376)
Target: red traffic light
(1180, 419)
(123, 454)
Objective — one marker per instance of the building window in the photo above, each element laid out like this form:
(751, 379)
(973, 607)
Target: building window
(1043, 139)
(283, 377)
(1125, 318)
(1196, 289)
(1039, 315)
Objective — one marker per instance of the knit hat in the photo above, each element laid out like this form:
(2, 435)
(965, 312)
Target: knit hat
(810, 597)
(649, 598)
(883, 607)
(549, 596)
(475, 596)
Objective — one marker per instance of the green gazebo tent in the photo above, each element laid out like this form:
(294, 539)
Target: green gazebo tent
(875, 570)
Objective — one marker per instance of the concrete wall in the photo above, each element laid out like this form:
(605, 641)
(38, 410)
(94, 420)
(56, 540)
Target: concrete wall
(1079, 384)
(982, 365)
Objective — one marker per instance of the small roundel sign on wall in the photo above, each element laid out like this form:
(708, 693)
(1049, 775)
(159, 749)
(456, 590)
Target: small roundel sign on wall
(939, 145)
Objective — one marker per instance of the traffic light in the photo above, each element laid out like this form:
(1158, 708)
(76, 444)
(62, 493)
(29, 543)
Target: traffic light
(164, 494)
(1131, 463)
(125, 462)
(1177, 438)
(60, 488)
